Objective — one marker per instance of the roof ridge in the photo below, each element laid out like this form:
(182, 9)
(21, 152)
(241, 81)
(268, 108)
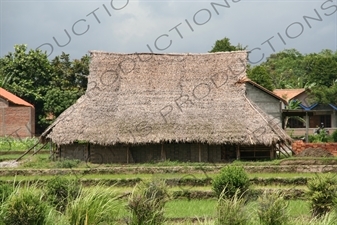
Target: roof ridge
(13, 98)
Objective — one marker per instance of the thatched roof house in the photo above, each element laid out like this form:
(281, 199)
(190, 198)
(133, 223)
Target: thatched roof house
(142, 107)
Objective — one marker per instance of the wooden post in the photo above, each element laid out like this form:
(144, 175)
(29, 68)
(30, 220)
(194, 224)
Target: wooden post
(306, 127)
(199, 152)
(238, 152)
(88, 151)
(163, 152)
(333, 119)
(51, 150)
(127, 154)
(272, 152)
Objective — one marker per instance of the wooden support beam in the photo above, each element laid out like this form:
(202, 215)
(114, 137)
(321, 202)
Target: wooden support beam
(272, 150)
(163, 153)
(127, 154)
(199, 152)
(40, 148)
(306, 127)
(238, 152)
(27, 151)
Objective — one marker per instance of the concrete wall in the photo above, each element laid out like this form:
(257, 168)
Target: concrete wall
(265, 101)
(304, 99)
(17, 121)
(296, 132)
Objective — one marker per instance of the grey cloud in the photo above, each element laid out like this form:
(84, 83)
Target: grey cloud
(142, 22)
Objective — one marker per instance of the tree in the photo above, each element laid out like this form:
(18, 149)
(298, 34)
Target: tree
(27, 75)
(224, 45)
(286, 69)
(326, 95)
(260, 75)
(50, 86)
(321, 68)
(70, 74)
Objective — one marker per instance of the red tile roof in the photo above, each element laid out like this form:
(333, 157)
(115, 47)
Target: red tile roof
(288, 94)
(13, 98)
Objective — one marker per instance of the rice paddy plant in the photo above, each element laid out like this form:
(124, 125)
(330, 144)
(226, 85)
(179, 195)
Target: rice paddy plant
(25, 206)
(60, 191)
(273, 209)
(232, 211)
(322, 194)
(147, 202)
(5, 191)
(93, 206)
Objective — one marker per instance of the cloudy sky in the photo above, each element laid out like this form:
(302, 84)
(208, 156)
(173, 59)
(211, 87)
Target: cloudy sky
(127, 26)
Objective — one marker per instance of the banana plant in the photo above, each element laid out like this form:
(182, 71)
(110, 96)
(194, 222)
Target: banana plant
(293, 105)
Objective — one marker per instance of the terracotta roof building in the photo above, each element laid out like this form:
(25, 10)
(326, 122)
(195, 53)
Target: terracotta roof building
(17, 117)
(291, 94)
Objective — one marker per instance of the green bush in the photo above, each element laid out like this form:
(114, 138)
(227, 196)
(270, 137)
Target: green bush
(146, 203)
(334, 136)
(24, 207)
(5, 191)
(94, 206)
(322, 137)
(273, 209)
(232, 179)
(322, 194)
(61, 190)
(231, 211)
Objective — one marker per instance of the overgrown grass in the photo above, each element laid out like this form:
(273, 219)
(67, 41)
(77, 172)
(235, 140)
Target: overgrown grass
(94, 207)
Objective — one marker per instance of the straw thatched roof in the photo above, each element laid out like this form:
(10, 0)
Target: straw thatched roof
(153, 98)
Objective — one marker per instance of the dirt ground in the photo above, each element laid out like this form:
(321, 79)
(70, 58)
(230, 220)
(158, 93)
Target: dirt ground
(314, 152)
(7, 164)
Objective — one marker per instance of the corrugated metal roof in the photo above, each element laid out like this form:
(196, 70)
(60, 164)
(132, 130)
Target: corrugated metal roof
(13, 98)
